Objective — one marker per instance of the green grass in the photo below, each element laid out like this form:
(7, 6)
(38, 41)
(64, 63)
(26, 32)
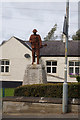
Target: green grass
(0, 92)
(8, 92)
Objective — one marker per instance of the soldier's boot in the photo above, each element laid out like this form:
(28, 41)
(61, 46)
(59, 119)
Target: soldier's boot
(33, 61)
(33, 57)
(37, 59)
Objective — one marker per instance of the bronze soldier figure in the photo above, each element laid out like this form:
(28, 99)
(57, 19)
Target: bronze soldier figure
(36, 44)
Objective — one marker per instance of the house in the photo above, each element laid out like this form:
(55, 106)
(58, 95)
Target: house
(16, 54)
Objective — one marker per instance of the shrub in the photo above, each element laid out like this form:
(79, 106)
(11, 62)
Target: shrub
(78, 78)
(47, 90)
(73, 90)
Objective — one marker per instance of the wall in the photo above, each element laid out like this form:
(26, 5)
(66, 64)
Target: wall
(37, 105)
(59, 76)
(14, 51)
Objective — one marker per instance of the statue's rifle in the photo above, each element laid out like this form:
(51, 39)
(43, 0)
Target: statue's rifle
(44, 45)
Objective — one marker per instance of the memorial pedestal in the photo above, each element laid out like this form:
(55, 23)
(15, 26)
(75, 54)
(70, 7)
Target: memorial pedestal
(35, 74)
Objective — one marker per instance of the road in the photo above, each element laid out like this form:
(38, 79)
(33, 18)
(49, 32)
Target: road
(40, 116)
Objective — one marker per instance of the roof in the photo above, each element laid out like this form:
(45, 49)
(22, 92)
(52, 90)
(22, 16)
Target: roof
(56, 48)
(24, 43)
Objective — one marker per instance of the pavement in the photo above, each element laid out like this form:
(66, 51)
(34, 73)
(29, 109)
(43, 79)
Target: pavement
(0, 116)
(0, 113)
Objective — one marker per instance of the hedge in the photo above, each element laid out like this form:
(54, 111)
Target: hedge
(48, 90)
(78, 78)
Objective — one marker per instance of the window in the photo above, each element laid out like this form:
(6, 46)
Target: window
(51, 66)
(4, 66)
(74, 67)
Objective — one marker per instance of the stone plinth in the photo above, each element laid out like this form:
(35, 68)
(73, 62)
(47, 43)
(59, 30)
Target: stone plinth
(35, 74)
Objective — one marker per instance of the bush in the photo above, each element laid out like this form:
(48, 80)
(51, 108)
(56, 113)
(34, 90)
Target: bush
(73, 90)
(47, 90)
(78, 78)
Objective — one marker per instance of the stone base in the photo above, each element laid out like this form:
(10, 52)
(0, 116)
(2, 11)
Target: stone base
(35, 74)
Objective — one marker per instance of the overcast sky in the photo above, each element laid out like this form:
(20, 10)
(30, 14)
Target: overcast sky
(20, 18)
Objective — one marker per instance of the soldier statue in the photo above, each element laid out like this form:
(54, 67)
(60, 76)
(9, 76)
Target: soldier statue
(36, 44)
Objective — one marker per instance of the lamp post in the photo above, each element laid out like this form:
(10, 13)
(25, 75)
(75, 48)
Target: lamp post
(65, 85)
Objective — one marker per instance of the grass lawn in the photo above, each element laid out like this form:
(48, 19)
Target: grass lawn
(8, 92)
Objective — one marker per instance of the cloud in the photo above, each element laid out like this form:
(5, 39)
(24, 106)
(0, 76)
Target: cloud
(21, 18)
(6, 12)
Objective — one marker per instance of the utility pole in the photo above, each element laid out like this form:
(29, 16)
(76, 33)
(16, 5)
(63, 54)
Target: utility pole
(65, 85)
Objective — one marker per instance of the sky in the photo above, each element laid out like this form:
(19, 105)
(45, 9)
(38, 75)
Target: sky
(20, 18)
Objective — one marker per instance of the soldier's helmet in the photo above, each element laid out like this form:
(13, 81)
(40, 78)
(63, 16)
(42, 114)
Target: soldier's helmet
(34, 31)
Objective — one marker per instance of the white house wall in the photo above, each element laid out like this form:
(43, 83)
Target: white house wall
(14, 51)
(60, 75)
(70, 79)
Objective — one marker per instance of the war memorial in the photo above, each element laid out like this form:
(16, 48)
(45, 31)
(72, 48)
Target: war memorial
(35, 73)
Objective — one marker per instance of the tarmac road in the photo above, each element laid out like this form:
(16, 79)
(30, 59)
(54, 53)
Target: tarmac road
(68, 116)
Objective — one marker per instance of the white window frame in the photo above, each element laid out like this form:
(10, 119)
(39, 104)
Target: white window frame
(4, 65)
(74, 67)
(51, 66)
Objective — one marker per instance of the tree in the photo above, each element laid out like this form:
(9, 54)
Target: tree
(77, 36)
(50, 35)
